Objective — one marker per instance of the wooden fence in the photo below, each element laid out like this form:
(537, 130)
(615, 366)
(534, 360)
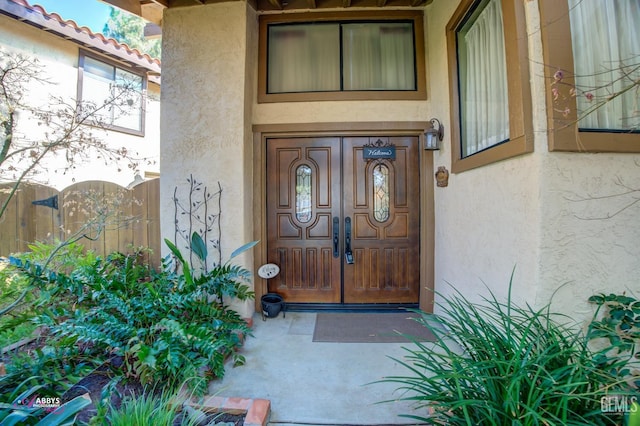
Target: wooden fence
(118, 218)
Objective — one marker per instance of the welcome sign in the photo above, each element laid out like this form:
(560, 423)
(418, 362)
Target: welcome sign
(379, 152)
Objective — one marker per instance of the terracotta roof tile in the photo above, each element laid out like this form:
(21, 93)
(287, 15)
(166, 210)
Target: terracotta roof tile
(85, 34)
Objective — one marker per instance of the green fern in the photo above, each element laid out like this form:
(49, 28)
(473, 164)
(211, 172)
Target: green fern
(162, 322)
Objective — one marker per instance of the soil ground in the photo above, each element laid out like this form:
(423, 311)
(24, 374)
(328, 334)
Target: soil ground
(95, 382)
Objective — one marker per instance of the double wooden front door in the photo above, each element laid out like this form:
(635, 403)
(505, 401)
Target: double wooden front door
(342, 228)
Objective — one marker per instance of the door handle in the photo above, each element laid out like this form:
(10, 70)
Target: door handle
(336, 236)
(347, 241)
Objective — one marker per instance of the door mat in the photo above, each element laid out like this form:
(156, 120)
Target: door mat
(369, 328)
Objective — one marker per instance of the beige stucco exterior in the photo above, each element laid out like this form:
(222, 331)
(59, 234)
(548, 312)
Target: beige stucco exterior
(206, 125)
(522, 215)
(58, 59)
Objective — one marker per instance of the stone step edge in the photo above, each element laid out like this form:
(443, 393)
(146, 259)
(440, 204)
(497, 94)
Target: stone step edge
(256, 410)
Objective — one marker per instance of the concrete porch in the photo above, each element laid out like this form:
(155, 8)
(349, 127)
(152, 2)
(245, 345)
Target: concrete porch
(313, 383)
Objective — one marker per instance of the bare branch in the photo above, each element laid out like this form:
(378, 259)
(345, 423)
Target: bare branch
(611, 215)
(68, 128)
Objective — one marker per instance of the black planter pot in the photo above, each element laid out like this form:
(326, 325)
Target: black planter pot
(272, 304)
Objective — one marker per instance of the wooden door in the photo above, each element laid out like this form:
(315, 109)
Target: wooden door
(303, 197)
(325, 199)
(382, 202)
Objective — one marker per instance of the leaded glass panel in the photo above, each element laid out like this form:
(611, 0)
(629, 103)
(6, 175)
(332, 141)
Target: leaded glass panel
(303, 193)
(381, 193)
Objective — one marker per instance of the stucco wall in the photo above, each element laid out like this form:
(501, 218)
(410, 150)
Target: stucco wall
(520, 215)
(487, 219)
(204, 122)
(540, 213)
(591, 242)
(337, 112)
(583, 251)
(59, 61)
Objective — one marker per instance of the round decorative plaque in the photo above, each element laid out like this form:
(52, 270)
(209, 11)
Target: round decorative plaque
(268, 270)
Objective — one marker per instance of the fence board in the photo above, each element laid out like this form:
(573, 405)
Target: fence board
(153, 220)
(147, 224)
(8, 223)
(24, 223)
(114, 195)
(73, 213)
(46, 219)
(25, 215)
(126, 231)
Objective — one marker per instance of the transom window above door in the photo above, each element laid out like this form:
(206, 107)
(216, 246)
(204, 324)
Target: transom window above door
(336, 57)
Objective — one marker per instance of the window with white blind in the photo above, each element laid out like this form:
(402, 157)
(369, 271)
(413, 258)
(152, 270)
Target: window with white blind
(482, 68)
(112, 95)
(372, 56)
(592, 65)
(490, 89)
(605, 37)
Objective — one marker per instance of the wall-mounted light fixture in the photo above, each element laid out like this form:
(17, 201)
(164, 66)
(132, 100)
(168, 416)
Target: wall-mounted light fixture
(434, 135)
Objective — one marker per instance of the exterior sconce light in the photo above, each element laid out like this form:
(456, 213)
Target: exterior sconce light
(434, 135)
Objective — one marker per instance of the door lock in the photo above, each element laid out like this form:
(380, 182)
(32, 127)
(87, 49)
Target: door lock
(336, 236)
(348, 255)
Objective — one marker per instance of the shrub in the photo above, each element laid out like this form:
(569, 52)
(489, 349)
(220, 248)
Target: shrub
(169, 327)
(617, 322)
(162, 408)
(21, 406)
(15, 324)
(147, 409)
(494, 363)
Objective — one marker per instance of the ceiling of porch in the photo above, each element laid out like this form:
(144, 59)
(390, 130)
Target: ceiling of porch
(151, 10)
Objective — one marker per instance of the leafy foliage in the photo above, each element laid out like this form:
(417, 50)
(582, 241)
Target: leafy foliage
(169, 327)
(494, 363)
(129, 29)
(148, 409)
(162, 408)
(617, 321)
(55, 367)
(48, 372)
(16, 324)
(24, 411)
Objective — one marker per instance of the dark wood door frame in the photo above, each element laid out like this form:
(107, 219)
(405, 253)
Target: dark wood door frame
(427, 240)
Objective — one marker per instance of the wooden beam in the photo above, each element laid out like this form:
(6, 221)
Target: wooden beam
(132, 6)
(184, 3)
(163, 3)
(152, 31)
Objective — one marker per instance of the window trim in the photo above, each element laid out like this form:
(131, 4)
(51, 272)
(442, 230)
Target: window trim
(563, 132)
(521, 139)
(417, 16)
(143, 75)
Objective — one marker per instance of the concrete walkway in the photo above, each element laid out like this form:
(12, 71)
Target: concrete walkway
(311, 383)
